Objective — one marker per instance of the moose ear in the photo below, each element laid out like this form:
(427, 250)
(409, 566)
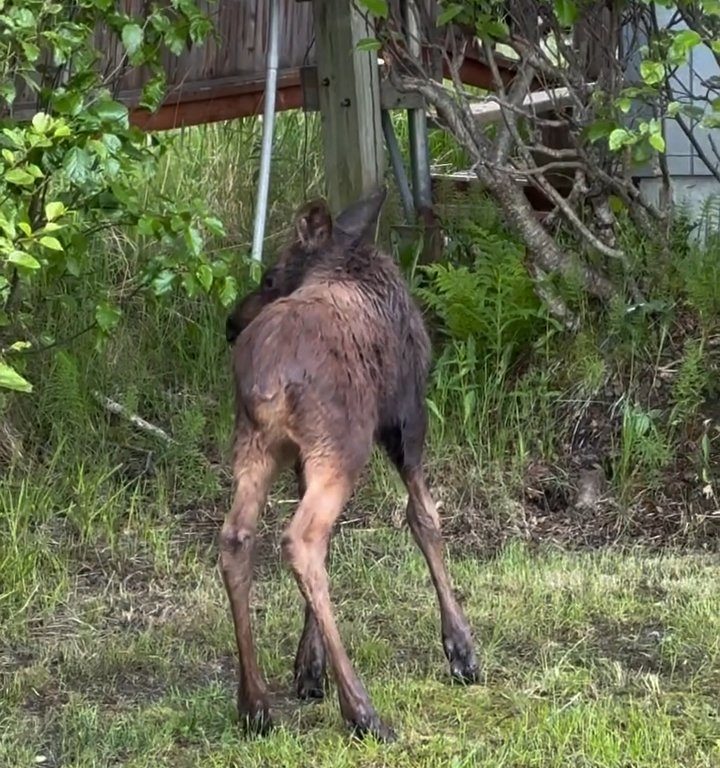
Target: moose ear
(359, 220)
(313, 225)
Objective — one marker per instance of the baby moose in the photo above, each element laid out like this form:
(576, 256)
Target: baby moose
(330, 355)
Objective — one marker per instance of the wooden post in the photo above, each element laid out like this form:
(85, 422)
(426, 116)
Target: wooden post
(349, 99)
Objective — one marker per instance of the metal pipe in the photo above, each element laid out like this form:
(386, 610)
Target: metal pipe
(417, 120)
(268, 128)
(397, 165)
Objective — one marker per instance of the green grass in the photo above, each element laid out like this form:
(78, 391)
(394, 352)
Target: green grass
(116, 643)
(590, 659)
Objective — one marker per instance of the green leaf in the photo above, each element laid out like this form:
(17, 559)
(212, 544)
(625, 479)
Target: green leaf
(624, 104)
(153, 92)
(72, 266)
(652, 72)
(41, 122)
(51, 243)
(62, 130)
(600, 129)
(448, 14)
(219, 269)
(200, 28)
(688, 38)
(368, 44)
(112, 112)
(22, 259)
(682, 44)
(8, 92)
(617, 205)
(693, 111)
(54, 210)
(204, 275)
(190, 285)
(566, 12)
(618, 138)
(715, 45)
(497, 29)
(11, 379)
(77, 163)
(229, 291)
(31, 51)
(376, 7)
(148, 225)
(641, 152)
(175, 39)
(132, 37)
(193, 240)
(657, 141)
(215, 226)
(20, 177)
(432, 407)
(67, 103)
(107, 316)
(163, 282)
(22, 17)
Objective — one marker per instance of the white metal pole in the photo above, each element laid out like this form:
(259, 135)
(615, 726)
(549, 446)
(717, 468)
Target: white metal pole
(268, 128)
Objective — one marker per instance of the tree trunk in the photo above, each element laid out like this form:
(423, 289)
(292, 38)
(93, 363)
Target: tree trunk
(543, 248)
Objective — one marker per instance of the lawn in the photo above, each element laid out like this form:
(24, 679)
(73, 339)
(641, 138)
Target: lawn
(602, 658)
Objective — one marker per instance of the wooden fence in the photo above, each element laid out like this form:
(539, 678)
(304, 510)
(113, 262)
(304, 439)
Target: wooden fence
(225, 77)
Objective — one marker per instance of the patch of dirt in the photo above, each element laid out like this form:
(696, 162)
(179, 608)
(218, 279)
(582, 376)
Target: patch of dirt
(639, 648)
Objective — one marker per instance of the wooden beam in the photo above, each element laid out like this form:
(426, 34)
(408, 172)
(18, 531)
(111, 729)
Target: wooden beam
(349, 99)
(202, 101)
(537, 102)
(213, 109)
(390, 98)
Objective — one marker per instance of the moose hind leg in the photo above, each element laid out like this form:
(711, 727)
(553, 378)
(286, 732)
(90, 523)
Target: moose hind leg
(310, 673)
(305, 544)
(405, 451)
(310, 661)
(425, 527)
(252, 471)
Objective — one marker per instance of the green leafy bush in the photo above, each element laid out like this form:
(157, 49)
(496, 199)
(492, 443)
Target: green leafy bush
(79, 168)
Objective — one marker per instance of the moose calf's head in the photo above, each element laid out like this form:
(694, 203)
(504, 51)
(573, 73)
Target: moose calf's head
(315, 234)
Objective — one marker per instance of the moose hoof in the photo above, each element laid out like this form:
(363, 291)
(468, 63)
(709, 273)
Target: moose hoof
(310, 683)
(255, 719)
(464, 666)
(371, 725)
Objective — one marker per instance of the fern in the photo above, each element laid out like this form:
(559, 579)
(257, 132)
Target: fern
(709, 219)
(489, 297)
(700, 272)
(63, 393)
(693, 379)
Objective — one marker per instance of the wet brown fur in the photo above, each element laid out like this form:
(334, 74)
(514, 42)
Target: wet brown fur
(330, 355)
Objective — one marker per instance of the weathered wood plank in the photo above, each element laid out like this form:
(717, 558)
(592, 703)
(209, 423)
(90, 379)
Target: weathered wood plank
(238, 52)
(349, 98)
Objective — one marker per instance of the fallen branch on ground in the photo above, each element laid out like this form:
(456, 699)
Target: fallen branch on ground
(120, 410)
